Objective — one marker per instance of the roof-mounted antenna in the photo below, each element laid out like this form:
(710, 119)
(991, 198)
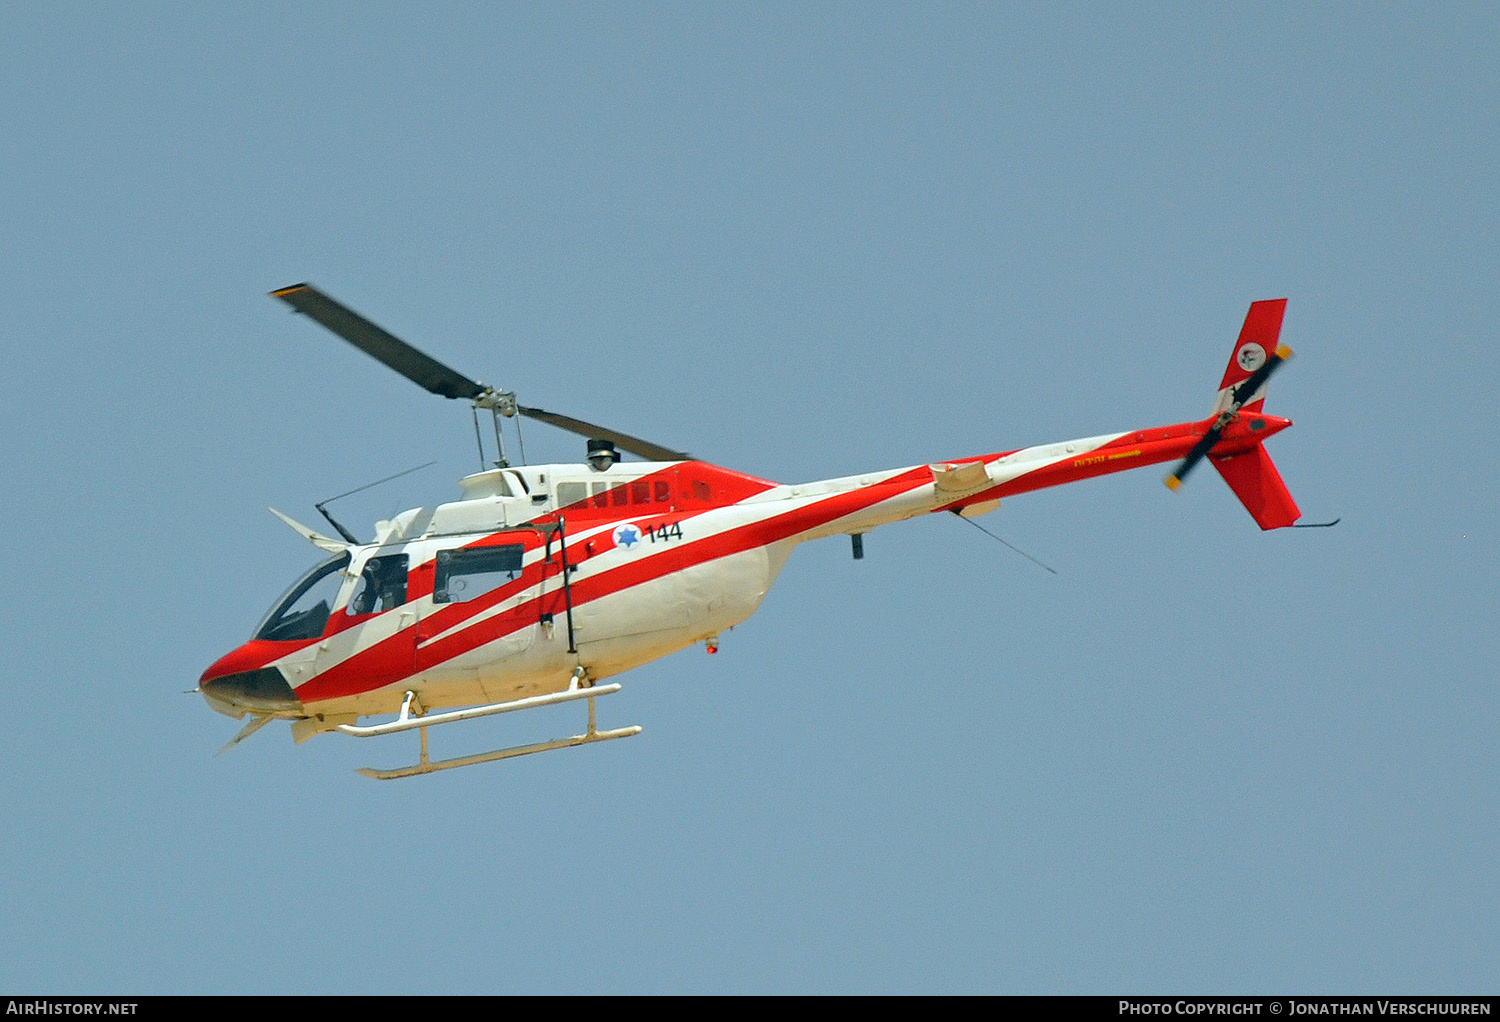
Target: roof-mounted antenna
(345, 532)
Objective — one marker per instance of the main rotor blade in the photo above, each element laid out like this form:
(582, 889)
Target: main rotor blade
(430, 374)
(635, 445)
(423, 370)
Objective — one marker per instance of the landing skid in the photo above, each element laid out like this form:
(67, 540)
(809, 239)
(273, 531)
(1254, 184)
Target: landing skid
(407, 722)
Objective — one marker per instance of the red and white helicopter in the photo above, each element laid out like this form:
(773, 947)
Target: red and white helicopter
(543, 580)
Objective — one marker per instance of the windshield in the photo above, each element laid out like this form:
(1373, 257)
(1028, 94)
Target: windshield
(303, 611)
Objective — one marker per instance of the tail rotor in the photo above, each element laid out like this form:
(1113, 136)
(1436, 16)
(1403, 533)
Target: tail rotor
(1239, 396)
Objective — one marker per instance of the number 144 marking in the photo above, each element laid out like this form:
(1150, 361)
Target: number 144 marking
(665, 533)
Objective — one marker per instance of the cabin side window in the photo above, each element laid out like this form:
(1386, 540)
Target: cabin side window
(381, 586)
(571, 493)
(464, 575)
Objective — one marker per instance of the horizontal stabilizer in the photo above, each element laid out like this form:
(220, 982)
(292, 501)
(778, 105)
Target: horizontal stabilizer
(1254, 480)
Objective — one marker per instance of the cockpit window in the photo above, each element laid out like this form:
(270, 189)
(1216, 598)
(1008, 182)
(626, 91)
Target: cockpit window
(381, 587)
(303, 611)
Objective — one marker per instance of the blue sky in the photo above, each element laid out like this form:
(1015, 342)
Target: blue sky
(799, 241)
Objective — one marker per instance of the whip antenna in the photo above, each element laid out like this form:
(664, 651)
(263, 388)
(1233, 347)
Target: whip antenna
(1017, 549)
(349, 493)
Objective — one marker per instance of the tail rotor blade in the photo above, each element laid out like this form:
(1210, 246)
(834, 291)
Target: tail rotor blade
(1194, 456)
(1242, 394)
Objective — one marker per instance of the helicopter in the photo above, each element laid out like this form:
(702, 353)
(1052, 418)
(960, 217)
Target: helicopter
(542, 581)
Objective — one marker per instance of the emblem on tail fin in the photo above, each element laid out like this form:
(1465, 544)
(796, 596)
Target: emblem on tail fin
(1251, 357)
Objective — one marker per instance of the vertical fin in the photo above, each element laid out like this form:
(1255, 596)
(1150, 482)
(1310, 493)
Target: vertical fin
(1258, 339)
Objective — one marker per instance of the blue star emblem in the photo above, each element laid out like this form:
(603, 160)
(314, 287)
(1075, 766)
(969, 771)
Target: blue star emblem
(627, 536)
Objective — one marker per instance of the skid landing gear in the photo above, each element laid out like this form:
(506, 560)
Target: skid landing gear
(579, 687)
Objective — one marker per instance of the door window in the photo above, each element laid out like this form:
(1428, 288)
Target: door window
(464, 575)
(381, 586)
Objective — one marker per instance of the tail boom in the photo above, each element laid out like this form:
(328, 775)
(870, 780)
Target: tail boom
(1231, 438)
(1037, 468)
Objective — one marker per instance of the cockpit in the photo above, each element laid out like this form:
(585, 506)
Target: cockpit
(303, 612)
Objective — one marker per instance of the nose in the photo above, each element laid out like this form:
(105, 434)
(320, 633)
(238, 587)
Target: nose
(264, 690)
